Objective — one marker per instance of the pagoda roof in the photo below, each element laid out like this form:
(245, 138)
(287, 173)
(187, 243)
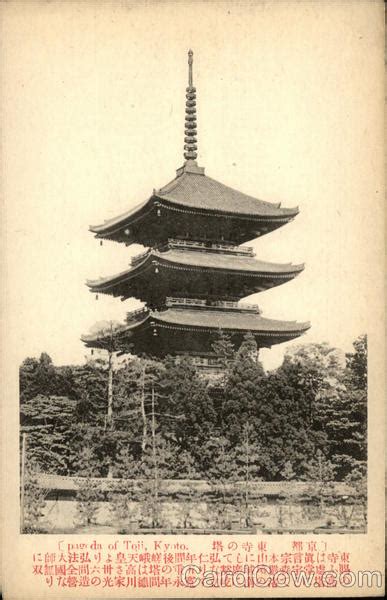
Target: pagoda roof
(227, 261)
(193, 192)
(194, 198)
(197, 191)
(122, 219)
(194, 327)
(221, 263)
(227, 320)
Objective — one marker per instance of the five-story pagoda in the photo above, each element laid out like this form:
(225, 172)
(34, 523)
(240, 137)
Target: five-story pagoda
(194, 272)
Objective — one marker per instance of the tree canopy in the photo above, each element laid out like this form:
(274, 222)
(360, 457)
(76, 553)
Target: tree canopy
(307, 417)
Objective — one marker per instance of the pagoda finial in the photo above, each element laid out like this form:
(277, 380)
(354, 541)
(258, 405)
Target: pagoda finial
(190, 61)
(190, 147)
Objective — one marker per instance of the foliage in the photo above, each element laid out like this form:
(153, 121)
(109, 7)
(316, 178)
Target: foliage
(183, 395)
(34, 500)
(40, 377)
(88, 494)
(242, 389)
(123, 507)
(306, 420)
(187, 469)
(220, 474)
(88, 498)
(223, 348)
(247, 467)
(47, 420)
(357, 363)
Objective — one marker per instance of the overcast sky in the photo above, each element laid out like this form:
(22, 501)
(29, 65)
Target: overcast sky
(289, 104)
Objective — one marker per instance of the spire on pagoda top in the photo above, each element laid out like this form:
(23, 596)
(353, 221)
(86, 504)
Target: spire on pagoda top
(190, 141)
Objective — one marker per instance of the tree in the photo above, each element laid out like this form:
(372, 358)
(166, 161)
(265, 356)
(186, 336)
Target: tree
(357, 480)
(287, 472)
(247, 467)
(345, 418)
(34, 499)
(321, 472)
(41, 377)
(223, 348)
(133, 385)
(317, 370)
(346, 427)
(357, 364)
(37, 377)
(47, 420)
(187, 501)
(123, 507)
(242, 388)
(107, 332)
(310, 386)
(156, 463)
(182, 393)
(91, 385)
(88, 494)
(123, 496)
(220, 473)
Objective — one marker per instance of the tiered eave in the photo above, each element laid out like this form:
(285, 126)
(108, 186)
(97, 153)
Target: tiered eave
(196, 206)
(175, 329)
(199, 273)
(195, 270)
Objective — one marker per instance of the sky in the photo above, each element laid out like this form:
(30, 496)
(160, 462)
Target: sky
(289, 101)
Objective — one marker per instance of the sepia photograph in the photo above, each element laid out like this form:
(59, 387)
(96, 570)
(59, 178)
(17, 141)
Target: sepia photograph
(172, 424)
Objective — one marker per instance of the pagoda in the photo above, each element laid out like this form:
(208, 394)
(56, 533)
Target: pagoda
(195, 272)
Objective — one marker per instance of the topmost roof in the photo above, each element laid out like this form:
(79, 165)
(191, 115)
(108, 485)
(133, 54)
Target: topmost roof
(192, 188)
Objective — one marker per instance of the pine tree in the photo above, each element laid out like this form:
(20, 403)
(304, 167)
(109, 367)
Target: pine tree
(123, 497)
(187, 469)
(34, 498)
(223, 348)
(182, 393)
(357, 363)
(88, 495)
(242, 389)
(321, 472)
(221, 475)
(157, 463)
(47, 420)
(346, 415)
(247, 468)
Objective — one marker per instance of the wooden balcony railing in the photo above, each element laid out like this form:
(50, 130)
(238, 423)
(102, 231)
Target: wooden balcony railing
(222, 304)
(212, 247)
(171, 301)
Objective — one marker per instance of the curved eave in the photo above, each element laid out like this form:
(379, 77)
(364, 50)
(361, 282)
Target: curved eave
(268, 330)
(121, 335)
(278, 214)
(103, 284)
(227, 321)
(113, 229)
(116, 224)
(260, 270)
(193, 189)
